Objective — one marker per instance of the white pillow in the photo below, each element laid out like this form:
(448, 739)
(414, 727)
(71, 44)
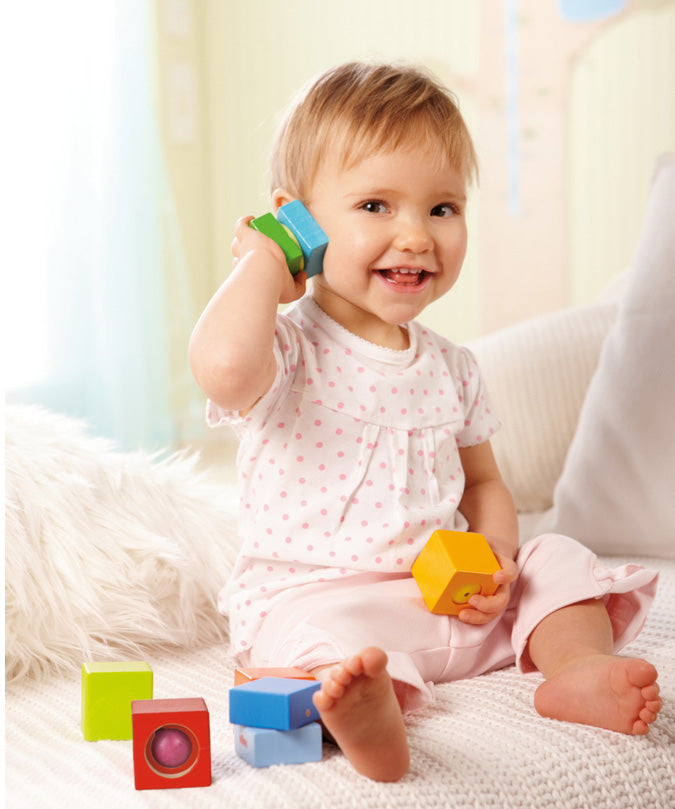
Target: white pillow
(537, 374)
(106, 554)
(617, 490)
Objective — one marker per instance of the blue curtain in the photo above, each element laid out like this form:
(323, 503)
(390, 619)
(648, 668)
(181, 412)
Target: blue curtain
(89, 317)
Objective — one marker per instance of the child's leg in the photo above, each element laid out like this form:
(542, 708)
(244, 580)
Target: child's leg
(585, 681)
(359, 708)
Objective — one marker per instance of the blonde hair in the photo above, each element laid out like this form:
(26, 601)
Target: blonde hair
(361, 109)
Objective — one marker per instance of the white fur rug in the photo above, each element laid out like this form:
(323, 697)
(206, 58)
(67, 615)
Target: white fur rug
(106, 554)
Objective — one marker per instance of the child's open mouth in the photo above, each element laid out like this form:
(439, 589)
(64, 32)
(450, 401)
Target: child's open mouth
(402, 276)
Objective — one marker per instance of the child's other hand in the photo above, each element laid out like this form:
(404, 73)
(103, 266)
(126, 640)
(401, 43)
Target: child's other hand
(484, 609)
(249, 242)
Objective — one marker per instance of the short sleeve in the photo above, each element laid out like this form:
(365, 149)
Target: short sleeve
(480, 421)
(287, 350)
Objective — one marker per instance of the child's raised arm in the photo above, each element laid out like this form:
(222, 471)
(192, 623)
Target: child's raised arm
(231, 346)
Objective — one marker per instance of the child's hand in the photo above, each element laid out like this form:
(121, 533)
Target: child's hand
(484, 609)
(249, 242)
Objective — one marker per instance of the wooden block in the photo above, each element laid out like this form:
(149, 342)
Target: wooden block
(273, 702)
(268, 225)
(247, 675)
(313, 241)
(263, 747)
(453, 566)
(108, 690)
(172, 743)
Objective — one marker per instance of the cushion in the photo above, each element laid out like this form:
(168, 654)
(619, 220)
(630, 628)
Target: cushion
(616, 490)
(537, 373)
(107, 554)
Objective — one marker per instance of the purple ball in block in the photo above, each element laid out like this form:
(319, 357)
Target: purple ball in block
(171, 747)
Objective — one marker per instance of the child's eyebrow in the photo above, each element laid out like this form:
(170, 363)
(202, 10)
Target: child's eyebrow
(453, 196)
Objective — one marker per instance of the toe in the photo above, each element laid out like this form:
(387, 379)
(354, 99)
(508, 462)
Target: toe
(654, 705)
(651, 710)
(333, 688)
(341, 675)
(373, 661)
(651, 691)
(322, 701)
(643, 675)
(640, 728)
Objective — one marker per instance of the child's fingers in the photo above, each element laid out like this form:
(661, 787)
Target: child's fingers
(243, 222)
(508, 573)
(247, 238)
(474, 617)
(483, 609)
(490, 605)
(240, 231)
(296, 285)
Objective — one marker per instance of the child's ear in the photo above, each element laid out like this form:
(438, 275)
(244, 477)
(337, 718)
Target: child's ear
(281, 196)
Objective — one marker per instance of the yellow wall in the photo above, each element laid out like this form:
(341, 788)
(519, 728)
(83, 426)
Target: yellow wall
(621, 114)
(593, 105)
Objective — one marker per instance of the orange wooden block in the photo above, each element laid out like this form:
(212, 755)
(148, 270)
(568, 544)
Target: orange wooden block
(248, 675)
(453, 566)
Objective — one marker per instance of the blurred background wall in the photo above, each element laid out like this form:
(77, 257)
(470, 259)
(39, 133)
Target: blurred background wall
(569, 101)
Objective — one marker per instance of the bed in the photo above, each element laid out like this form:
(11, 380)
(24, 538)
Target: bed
(113, 556)
(481, 744)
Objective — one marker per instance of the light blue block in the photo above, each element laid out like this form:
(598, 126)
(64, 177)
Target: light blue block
(274, 702)
(263, 747)
(313, 241)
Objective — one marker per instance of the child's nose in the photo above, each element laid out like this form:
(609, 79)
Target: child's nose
(413, 236)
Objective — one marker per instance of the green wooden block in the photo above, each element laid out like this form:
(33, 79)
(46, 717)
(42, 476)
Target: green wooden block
(107, 693)
(280, 234)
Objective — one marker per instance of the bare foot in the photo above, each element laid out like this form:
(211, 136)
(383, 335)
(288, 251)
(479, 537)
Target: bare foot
(616, 693)
(358, 706)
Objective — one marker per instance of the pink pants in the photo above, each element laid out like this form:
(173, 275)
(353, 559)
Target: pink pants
(323, 623)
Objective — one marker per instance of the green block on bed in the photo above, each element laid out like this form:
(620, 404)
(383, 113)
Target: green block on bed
(108, 690)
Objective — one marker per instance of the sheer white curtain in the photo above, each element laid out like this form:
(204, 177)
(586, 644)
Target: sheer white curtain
(84, 293)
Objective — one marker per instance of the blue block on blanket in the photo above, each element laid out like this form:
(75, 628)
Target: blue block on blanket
(274, 702)
(263, 747)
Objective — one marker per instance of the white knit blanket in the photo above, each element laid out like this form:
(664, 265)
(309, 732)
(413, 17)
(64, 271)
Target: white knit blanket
(481, 744)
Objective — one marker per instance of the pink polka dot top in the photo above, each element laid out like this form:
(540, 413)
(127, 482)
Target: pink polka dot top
(350, 461)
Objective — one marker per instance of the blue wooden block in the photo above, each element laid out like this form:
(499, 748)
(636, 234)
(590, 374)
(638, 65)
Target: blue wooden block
(263, 747)
(313, 241)
(274, 702)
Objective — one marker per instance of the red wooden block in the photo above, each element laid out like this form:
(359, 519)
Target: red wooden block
(248, 675)
(172, 743)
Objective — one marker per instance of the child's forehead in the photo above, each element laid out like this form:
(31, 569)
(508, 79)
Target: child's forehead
(345, 155)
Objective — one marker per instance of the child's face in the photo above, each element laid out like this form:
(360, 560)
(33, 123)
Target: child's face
(397, 239)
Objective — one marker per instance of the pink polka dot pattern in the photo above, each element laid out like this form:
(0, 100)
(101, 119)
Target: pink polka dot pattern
(350, 461)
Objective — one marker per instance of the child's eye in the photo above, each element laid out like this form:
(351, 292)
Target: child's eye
(444, 210)
(374, 206)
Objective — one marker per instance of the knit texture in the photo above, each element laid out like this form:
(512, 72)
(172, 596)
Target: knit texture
(481, 744)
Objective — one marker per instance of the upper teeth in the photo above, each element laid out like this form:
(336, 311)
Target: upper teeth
(406, 271)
